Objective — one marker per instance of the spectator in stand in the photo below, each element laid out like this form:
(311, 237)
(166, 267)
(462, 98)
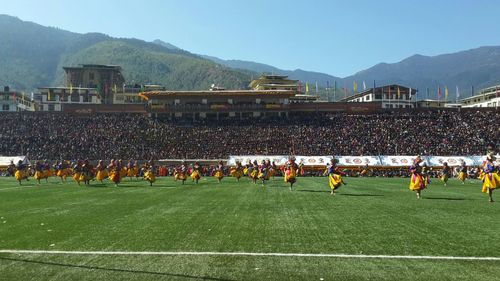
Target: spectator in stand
(136, 136)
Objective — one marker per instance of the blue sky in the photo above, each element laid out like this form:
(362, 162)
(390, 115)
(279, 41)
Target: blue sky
(335, 37)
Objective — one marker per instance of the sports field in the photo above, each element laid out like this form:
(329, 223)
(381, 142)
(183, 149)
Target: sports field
(225, 228)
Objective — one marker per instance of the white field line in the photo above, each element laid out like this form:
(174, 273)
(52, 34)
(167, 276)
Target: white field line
(355, 256)
(7, 188)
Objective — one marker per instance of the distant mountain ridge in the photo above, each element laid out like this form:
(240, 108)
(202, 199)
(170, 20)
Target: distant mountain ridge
(32, 55)
(478, 68)
(256, 67)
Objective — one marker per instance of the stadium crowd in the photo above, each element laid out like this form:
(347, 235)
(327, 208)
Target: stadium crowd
(135, 136)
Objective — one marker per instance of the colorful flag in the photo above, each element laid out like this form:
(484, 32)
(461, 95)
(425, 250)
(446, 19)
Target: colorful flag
(399, 93)
(457, 93)
(99, 90)
(334, 89)
(307, 88)
(409, 94)
(446, 92)
(439, 92)
(316, 87)
(364, 86)
(355, 86)
(70, 88)
(114, 88)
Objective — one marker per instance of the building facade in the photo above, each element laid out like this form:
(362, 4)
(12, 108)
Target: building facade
(488, 97)
(274, 82)
(8, 100)
(218, 104)
(54, 98)
(390, 96)
(106, 79)
(129, 94)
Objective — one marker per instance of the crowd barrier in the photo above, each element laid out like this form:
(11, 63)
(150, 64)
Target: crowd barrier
(371, 161)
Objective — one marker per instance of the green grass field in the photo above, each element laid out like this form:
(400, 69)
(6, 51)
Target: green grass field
(369, 216)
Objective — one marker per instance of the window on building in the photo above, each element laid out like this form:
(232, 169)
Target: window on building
(91, 75)
(378, 96)
(5, 107)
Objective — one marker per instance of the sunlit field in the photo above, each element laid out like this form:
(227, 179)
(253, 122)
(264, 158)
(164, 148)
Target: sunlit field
(369, 216)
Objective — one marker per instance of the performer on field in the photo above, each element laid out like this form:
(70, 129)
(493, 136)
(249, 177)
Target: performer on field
(445, 173)
(364, 171)
(490, 176)
(130, 169)
(102, 172)
(417, 181)
(87, 172)
(426, 174)
(136, 170)
(237, 171)
(247, 169)
(180, 173)
(254, 171)
(11, 169)
(46, 173)
(274, 169)
(77, 171)
(290, 171)
(219, 172)
(123, 169)
(114, 170)
(21, 172)
(196, 173)
(462, 175)
(334, 176)
(149, 174)
(38, 171)
(63, 170)
(263, 174)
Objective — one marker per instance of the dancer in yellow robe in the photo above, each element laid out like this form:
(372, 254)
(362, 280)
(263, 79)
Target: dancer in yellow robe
(219, 172)
(334, 176)
(417, 181)
(149, 174)
(290, 171)
(196, 173)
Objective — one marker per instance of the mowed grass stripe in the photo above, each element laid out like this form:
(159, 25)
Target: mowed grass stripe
(368, 216)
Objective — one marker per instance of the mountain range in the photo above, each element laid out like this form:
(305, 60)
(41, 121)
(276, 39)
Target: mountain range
(33, 55)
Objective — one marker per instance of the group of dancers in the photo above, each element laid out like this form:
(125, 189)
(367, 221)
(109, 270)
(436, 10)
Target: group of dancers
(257, 172)
(489, 174)
(83, 172)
